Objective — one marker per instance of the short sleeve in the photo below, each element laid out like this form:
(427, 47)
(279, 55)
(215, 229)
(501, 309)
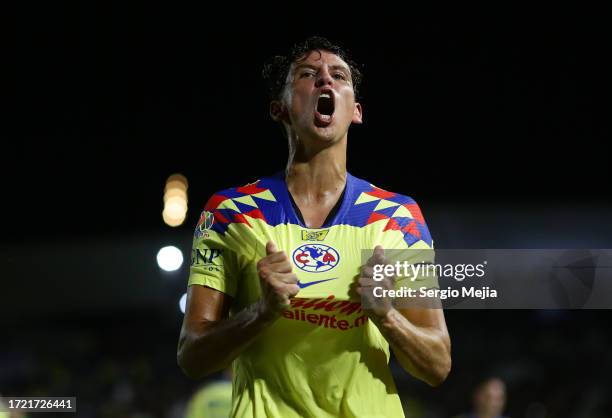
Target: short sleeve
(216, 253)
(414, 247)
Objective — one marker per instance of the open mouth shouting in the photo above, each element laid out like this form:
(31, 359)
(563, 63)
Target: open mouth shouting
(324, 110)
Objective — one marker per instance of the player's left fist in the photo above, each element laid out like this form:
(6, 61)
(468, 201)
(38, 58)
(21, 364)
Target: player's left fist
(374, 299)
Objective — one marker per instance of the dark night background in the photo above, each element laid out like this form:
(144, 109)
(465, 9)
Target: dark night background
(497, 129)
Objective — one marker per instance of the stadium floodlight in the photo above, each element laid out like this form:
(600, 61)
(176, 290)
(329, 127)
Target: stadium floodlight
(169, 258)
(183, 302)
(175, 200)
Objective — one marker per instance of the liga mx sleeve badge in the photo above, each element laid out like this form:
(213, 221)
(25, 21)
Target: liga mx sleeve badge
(204, 224)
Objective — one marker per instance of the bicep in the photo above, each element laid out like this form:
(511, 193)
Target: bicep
(205, 305)
(204, 308)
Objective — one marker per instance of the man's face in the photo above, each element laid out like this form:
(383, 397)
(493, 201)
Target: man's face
(319, 97)
(490, 399)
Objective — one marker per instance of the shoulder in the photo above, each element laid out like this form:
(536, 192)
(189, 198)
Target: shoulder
(392, 210)
(255, 200)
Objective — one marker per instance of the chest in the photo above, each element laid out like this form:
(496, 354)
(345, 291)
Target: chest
(326, 261)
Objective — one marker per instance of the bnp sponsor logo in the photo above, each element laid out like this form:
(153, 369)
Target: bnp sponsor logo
(209, 258)
(314, 235)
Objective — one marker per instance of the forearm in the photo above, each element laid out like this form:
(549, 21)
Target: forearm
(423, 352)
(210, 346)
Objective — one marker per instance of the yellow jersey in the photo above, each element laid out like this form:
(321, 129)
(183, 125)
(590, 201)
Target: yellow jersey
(322, 357)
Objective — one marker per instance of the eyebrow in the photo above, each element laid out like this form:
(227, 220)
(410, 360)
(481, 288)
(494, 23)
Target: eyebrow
(340, 67)
(331, 67)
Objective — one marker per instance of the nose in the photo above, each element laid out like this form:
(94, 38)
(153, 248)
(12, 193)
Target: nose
(324, 78)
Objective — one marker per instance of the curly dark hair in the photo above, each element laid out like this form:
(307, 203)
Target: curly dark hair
(277, 68)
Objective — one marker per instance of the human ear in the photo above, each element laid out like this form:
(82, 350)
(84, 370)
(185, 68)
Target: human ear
(278, 111)
(357, 114)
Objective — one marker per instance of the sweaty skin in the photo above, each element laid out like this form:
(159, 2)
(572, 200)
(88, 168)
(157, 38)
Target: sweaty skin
(315, 176)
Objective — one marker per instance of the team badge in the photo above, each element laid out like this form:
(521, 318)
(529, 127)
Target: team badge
(315, 258)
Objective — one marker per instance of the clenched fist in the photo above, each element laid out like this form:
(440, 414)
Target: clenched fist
(278, 282)
(372, 305)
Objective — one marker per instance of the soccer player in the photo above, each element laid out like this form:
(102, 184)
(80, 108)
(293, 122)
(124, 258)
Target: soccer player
(489, 399)
(213, 400)
(274, 262)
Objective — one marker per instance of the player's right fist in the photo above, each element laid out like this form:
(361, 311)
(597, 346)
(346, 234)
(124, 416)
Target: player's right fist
(278, 282)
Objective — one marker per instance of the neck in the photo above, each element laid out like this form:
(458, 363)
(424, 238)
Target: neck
(314, 175)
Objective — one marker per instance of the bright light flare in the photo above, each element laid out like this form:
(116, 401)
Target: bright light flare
(183, 302)
(175, 200)
(169, 258)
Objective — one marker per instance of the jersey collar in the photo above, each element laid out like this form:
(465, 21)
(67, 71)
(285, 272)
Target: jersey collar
(335, 216)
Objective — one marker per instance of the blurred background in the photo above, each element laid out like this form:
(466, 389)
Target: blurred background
(497, 128)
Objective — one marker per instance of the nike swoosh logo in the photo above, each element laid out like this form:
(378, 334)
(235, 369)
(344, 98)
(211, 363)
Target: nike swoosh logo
(303, 285)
